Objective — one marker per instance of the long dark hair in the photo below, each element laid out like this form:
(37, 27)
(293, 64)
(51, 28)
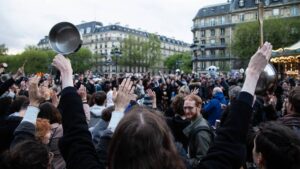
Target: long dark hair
(279, 146)
(143, 140)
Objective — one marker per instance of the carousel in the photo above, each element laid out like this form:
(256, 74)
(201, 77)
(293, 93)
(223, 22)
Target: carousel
(287, 60)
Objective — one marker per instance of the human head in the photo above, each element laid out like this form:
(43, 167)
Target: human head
(142, 139)
(234, 92)
(5, 102)
(99, 98)
(294, 100)
(192, 106)
(177, 105)
(29, 154)
(18, 103)
(276, 146)
(217, 90)
(50, 112)
(43, 129)
(185, 90)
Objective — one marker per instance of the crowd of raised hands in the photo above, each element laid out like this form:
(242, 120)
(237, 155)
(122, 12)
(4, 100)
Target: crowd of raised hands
(132, 129)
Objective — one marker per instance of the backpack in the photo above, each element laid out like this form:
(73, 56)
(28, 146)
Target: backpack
(209, 129)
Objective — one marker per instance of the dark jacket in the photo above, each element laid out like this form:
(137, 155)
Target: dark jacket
(7, 127)
(76, 144)
(228, 151)
(292, 121)
(177, 124)
(199, 140)
(229, 148)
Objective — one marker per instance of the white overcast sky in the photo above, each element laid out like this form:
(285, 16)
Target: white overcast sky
(25, 22)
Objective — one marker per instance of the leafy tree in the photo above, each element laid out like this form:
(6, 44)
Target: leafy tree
(153, 54)
(280, 32)
(3, 49)
(180, 61)
(81, 60)
(139, 53)
(37, 60)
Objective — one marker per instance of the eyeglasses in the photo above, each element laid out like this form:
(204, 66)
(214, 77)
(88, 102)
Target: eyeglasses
(188, 108)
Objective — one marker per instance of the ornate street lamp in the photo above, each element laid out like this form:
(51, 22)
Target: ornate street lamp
(117, 53)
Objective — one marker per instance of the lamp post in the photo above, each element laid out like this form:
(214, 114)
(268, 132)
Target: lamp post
(117, 53)
(194, 48)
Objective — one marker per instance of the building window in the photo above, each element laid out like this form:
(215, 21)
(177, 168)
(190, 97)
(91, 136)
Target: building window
(222, 20)
(212, 41)
(212, 52)
(212, 22)
(202, 65)
(241, 3)
(222, 31)
(202, 22)
(242, 17)
(212, 32)
(256, 1)
(294, 11)
(203, 53)
(81, 31)
(88, 30)
(275, 12)
(222, 52)
(203, 42)
(222, 41)
(202, 33)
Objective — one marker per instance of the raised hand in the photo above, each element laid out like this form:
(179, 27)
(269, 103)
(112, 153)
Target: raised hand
(63, 64)
(259, 60)
(35, 96)
(19, 73)
(195, 91)
(82, 93)
(124, 94)
(151, 94)
(256, 65)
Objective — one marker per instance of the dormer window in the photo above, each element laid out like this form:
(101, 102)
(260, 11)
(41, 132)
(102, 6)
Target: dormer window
(241, 3)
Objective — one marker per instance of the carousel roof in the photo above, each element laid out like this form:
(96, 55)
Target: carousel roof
(289, 54)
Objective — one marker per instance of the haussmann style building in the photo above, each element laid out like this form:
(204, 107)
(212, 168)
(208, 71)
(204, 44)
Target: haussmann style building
(101, 40)
(213, 28)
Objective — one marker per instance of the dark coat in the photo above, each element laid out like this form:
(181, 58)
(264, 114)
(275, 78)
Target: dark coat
(7, 128)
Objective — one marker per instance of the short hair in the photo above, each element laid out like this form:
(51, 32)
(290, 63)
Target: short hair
(177, 105)
(193, 97)
(50, 112)
(99, 98)
(234, 91)
(17, 104)
(279, 145)
(29, 154)
(217, 90)
(294, 99)
(143, 140)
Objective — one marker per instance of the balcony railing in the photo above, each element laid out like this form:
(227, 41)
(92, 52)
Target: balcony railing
(211, 58)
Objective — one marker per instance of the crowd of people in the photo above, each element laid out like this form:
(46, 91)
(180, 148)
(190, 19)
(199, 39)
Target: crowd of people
(149, 121)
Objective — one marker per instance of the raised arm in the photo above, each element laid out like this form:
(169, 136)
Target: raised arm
(76, 144)
(229, 150)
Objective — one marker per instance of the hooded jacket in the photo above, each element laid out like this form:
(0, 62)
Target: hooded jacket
(213, 108)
